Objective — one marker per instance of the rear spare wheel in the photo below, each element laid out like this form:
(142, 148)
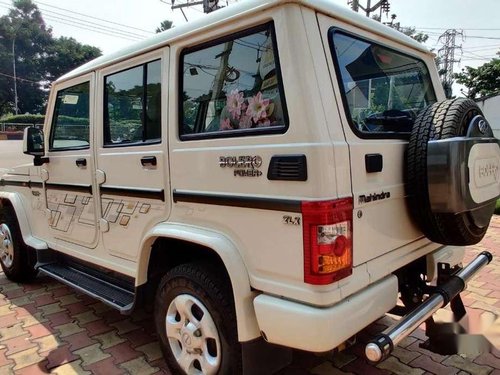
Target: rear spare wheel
(452, 170)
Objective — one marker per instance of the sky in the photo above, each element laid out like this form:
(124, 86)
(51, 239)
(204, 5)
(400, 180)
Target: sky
(114, 24)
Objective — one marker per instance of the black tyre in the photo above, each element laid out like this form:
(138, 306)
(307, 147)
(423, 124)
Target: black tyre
(442, 120)
(17, 260)
(196, 322)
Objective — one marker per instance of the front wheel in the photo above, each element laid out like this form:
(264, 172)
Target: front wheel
(16, 261)
(196, 322)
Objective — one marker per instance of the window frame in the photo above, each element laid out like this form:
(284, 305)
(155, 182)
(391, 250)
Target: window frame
(360, 134)
(106, 128)
(236, 132)
(55, 113)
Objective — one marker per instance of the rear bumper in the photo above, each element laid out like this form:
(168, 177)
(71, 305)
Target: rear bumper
(320, 329)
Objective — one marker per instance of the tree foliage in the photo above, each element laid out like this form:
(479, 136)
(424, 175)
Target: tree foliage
(39, 57)
(165, 25)
(481, 81)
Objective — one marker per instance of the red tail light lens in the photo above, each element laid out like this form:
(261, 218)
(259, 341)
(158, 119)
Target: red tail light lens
(327, 232)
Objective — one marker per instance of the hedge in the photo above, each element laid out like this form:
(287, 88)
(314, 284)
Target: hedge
(23, 119)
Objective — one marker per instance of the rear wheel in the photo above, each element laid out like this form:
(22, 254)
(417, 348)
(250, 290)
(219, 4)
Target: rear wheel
(196, 322)
(16, 261)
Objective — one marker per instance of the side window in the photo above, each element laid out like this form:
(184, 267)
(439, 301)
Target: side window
(132, 105)
(232, 87)
(70, 122)
(383, 89)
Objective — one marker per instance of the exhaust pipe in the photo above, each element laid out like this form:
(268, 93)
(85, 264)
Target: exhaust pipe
(380, 347)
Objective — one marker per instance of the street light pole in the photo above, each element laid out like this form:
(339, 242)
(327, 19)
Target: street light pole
(16, 109)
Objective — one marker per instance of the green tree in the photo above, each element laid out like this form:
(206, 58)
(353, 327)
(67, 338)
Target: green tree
(39, 58)
(165, 25)
(481, 81)
(24, 32)
(65, 54)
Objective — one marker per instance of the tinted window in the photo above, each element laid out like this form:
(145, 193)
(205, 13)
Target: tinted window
(70, 123)
(133, 105)
(233, 86)
(384, 89)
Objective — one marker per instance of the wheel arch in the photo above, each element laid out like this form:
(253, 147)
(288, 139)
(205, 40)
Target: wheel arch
(199, 243)
(14, 200)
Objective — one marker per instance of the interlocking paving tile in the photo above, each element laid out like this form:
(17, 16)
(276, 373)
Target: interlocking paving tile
(46, 343)
(109, 339)
(86, 317)
(123, 352)
(124, 326)
(26, 358)
(18, 344)
(72, 368)
(396, 367)
(12, 331)
(91, 354)
(139, 366)
(59, 356)
(48, 325)
(151, 350)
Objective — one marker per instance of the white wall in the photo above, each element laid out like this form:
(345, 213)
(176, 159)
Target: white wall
(491, 109)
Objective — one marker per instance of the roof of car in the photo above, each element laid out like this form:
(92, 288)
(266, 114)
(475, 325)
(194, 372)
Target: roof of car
(233, 12)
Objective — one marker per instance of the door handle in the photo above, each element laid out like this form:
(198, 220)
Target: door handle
(148, 161)
(81, 163)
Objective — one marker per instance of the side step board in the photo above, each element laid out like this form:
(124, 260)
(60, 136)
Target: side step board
(106, 292)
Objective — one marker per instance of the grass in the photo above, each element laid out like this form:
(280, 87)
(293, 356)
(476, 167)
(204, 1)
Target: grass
(497, 207)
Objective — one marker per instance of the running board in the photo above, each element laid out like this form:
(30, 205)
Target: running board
(380, 347)
(113, 295)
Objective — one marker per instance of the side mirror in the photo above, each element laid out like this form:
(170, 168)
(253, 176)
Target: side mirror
(33, 145)
(33, 142)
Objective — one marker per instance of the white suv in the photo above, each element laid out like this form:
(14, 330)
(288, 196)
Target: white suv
(278, 172)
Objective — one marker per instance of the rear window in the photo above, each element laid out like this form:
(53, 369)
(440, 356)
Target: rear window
(383, 89)
(232, 87)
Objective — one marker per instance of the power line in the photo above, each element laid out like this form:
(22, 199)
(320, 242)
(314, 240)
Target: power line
(96, 18)
(89, 27)
(54, 14)
(446, 28)
(84, 22)
(18, 79)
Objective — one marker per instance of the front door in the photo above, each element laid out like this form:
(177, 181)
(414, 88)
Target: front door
(68, 175)
(131, 153)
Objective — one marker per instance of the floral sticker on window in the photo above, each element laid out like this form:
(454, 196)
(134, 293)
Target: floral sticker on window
(241, 113)
(233, 85)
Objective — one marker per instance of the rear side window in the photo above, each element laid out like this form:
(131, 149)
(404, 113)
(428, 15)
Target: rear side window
(70, 122)
(132, 105)
(383, 89)
(232, 87)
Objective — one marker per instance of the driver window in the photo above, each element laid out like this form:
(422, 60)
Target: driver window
(132, 106)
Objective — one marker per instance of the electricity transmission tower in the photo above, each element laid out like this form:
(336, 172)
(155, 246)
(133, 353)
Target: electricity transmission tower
(446, 56)
(368, 8)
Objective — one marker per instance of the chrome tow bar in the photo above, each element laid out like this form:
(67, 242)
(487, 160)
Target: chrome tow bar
(381, 346)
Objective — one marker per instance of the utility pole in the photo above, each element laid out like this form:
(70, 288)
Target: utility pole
(208, 5)
(446, 55)
(368, 8)
(16, 107)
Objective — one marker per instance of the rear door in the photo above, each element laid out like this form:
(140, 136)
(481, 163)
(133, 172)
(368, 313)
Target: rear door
(69, 182)
(131, 151)
(380, 92)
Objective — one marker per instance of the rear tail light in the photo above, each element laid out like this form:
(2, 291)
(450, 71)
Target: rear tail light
(327, 232)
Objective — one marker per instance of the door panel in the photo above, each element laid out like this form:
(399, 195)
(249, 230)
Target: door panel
(380, 90)
(68, 174)
(131, 156)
